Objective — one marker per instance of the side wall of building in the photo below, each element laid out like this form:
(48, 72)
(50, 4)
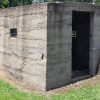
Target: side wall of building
(59, 41)
(24, 56)
(95, 42)
(59, 35)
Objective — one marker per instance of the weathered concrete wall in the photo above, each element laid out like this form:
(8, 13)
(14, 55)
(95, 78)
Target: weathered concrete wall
(24, 56)
(58, 46)
(59, 41)
(95, 47)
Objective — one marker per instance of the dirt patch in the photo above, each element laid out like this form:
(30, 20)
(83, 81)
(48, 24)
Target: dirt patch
(28, 88)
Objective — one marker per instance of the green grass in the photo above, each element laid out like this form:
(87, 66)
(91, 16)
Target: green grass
(8, 92)
(87, 93)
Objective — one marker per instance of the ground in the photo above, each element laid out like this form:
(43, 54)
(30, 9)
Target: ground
(11, 89)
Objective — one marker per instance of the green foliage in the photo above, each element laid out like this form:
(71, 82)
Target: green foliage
(98, 1)
(88, 1)
(13, 3)
(7, 92)
(86, 93)
(4, 3)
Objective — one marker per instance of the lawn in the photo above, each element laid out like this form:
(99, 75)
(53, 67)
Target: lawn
(87, 93)
(8, 92)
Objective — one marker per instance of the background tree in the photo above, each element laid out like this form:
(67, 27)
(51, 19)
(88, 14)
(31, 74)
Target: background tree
(4, 3)
(13, 3)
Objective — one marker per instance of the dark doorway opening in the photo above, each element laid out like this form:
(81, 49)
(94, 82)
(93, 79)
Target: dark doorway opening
(80, 43)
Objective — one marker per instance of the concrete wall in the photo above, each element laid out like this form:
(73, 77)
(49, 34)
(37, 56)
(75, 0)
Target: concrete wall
(95, 47)
(24, 56)
(58, 46)
(59, 41)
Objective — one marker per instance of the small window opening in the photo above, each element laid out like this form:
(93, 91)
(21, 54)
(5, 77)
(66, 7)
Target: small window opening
(13, 32)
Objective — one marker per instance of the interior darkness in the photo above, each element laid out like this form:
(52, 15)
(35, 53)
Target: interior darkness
(80, 43)
(13, 32)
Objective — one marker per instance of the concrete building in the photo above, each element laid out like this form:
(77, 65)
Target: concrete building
(50, 45)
